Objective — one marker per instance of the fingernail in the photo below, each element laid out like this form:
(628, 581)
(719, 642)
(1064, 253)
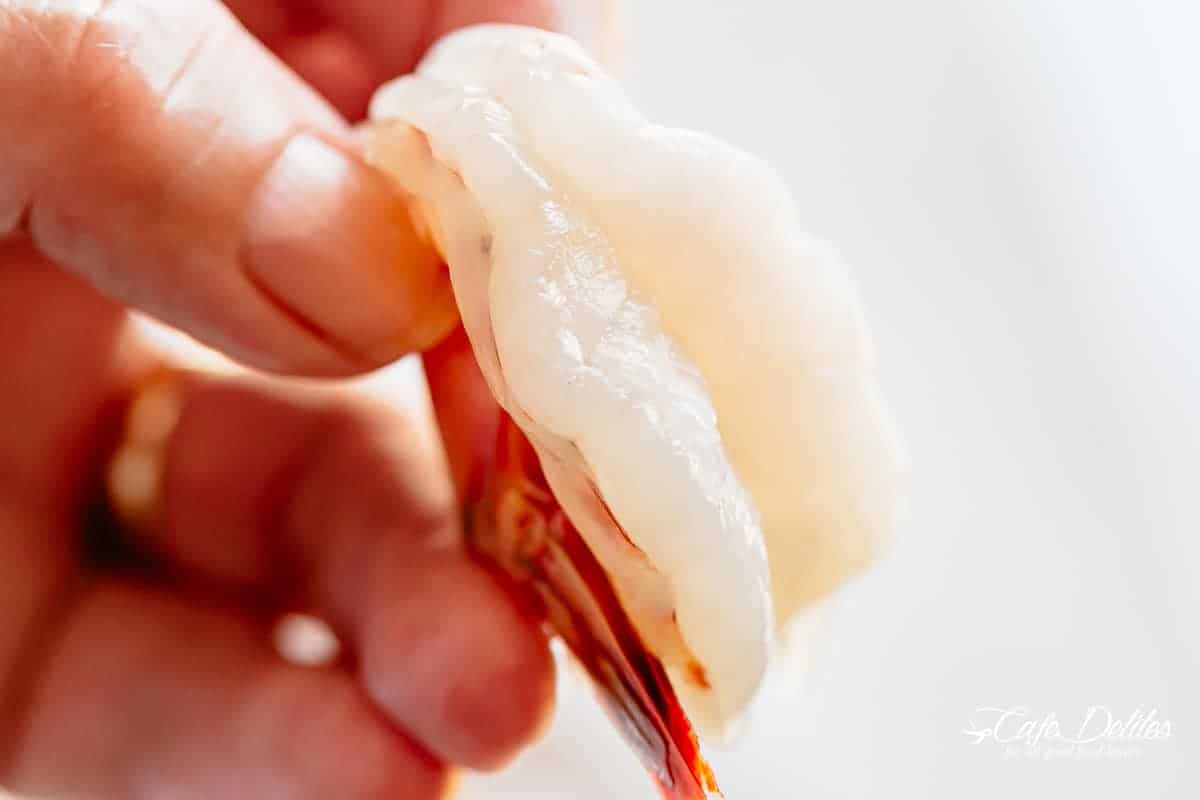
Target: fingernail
(330, 239)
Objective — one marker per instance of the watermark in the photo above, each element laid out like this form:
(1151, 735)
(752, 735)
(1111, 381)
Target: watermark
(1023, 733)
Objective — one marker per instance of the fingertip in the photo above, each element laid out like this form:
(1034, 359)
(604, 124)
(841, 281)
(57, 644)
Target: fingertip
(506, 709)
(330, 239)
(456, 663)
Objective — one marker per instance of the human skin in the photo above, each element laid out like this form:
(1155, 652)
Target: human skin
(197, 162)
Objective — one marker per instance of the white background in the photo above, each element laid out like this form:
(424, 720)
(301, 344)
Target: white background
(1017, 186)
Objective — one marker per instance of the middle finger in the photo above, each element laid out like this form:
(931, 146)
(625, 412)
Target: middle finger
(345, 508)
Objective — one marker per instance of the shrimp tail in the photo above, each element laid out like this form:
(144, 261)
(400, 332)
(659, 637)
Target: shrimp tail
(516, 525)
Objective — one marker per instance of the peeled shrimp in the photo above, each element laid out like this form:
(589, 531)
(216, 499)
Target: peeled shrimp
(696, 448)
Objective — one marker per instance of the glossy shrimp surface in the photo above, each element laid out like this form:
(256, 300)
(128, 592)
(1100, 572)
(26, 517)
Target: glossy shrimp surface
(691, 370)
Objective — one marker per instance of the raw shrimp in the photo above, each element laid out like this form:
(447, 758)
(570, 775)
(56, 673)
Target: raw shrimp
(695, 448)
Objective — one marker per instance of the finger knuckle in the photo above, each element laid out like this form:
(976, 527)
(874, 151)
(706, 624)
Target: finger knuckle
(398, 482)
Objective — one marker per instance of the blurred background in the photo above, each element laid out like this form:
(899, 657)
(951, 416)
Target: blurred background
(1017, 187)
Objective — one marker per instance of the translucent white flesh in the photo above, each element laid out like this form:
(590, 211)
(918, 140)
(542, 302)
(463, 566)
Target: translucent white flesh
(643, 303)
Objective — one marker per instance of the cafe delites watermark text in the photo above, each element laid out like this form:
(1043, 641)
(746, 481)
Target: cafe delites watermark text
(1020, 732)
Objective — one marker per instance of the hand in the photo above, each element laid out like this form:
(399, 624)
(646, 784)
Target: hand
(157, 155)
